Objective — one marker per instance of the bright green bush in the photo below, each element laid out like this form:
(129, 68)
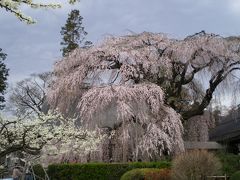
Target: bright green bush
(135, 174)
(235, 176)
(147, 174)
(98, 171)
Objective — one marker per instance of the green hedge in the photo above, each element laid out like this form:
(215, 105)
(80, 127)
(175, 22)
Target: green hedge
(230, 163)
(98, 171)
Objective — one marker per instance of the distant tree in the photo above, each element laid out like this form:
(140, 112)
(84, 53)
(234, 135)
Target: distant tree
(29, 95)
(217, 114)
(73, 33)
(3, 77)
(13, 6)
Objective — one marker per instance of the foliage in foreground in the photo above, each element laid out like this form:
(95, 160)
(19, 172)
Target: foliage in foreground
(235, 176)
(147, 174)
(14, 6)
(38, 171)
(98, 171)
(195, 165)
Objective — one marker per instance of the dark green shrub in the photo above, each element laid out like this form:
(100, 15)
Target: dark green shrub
(147, 174)
(38, 171)
(98, 171)
(235, 176)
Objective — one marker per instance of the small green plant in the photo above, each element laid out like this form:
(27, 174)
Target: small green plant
(235, 176)
(195, 165)
(38, 171)
(230, 162)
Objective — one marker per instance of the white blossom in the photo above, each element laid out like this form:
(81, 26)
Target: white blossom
(14, 7)
(48, 135)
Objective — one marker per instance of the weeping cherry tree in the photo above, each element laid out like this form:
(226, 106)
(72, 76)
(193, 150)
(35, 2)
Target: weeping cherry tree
(139, 87)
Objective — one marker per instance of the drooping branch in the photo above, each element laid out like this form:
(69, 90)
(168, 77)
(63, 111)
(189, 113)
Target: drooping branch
(10, 150)
(139, 106)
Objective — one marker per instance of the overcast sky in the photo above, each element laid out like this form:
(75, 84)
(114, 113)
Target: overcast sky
(34, 48)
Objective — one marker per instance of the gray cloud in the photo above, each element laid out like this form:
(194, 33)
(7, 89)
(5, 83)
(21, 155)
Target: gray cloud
(34, 48)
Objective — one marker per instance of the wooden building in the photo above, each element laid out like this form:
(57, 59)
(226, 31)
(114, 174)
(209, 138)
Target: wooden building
(227, 133)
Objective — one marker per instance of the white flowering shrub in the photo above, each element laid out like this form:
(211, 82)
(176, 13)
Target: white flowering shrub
(46, 135)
